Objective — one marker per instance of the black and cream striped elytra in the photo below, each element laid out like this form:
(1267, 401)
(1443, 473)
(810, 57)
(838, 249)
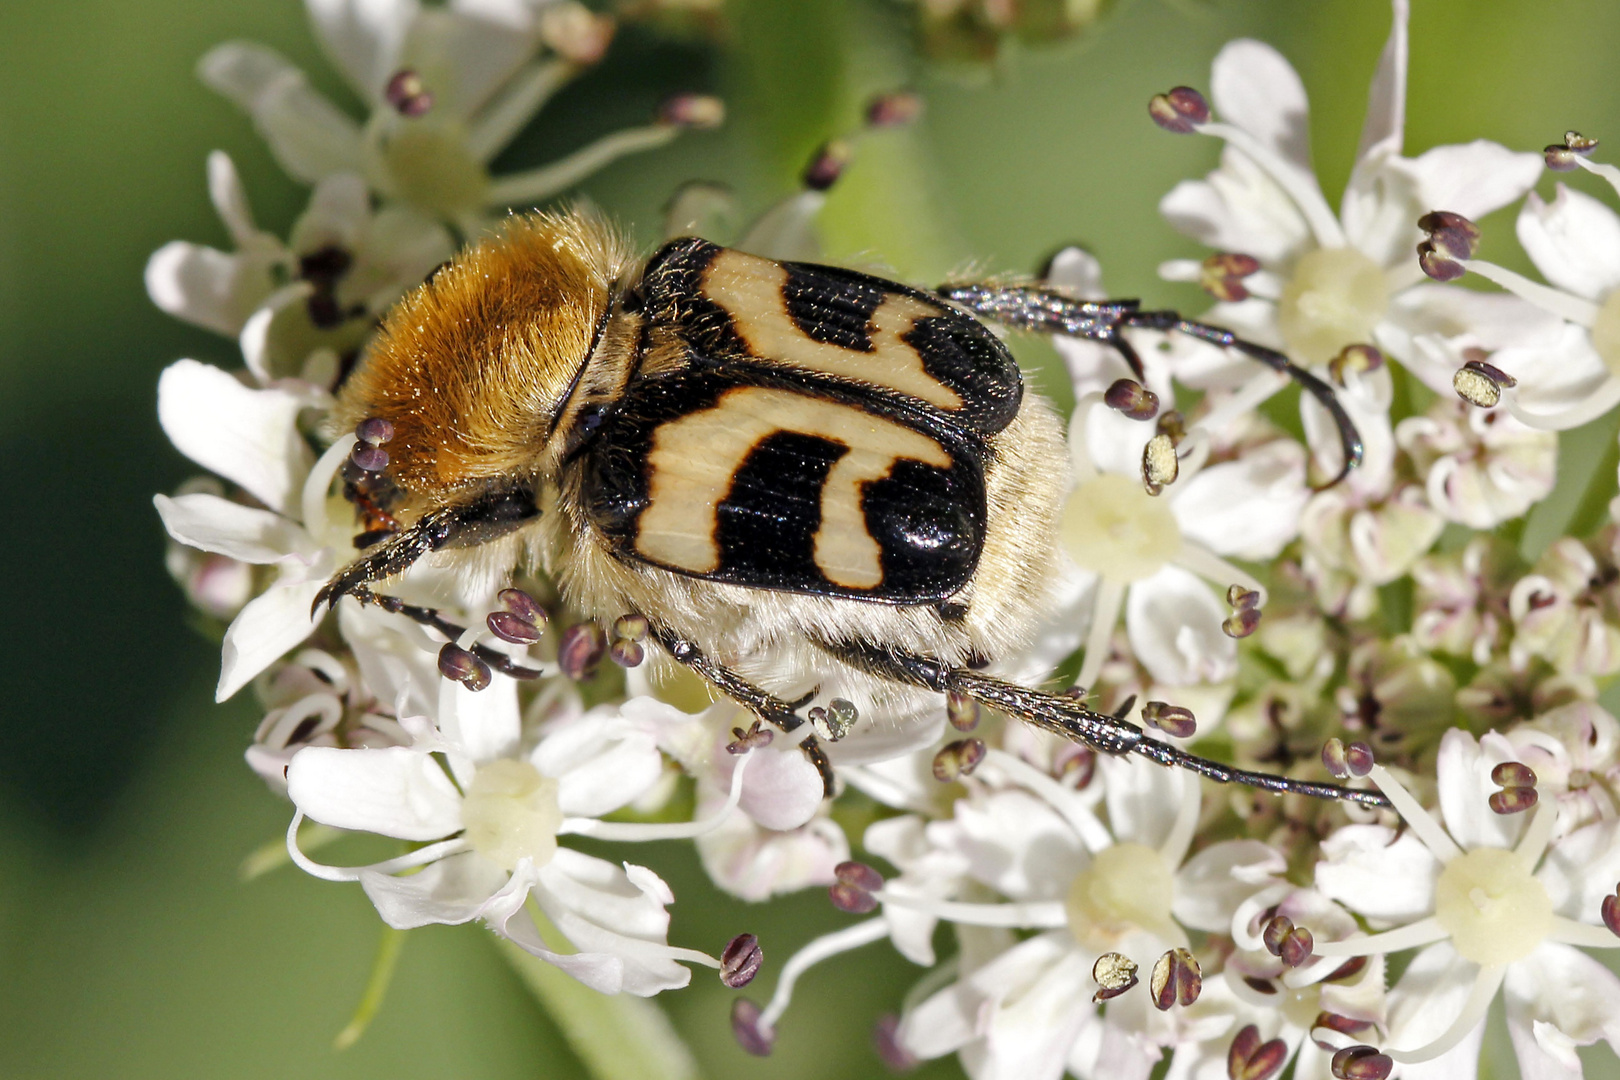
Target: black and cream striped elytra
(826, 433)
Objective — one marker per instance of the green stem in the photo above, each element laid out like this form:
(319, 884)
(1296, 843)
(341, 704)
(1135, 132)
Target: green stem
(382, 973)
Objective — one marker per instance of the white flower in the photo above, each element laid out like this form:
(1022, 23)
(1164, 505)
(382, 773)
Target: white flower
(446, 88)
(323, 290)
(1570, 375)
(1574, 751)
(1146, 553)
(1327, 280)
(1491, 903)
(1483, 466)
(491, 826)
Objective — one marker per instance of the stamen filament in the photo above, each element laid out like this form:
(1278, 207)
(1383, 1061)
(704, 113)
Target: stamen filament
(822, 948)
(1608, 172)
(1066, 801)
(1312, 204)
(1557, 301)
(1589, 408)
(1039, 915)
(1428, 830)
(1246, 914)
(420, 857)
(319, 482)
(1411, 936)
(1104, 615)
(1180, 837)
(639, 832)
(1216, 570)
(537, 185)
(1486, 983)
(1582, 935)
(504, 117)
(1533, 844)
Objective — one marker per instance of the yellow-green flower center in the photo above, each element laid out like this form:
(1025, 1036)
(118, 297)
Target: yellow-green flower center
(1112, 527)
(1492, 906)
(1126, 886)
(428, 164)
(1334, 299)
(1606, 332)
(510, 813)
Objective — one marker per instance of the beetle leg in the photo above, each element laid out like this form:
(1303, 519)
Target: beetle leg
(1047, 311)
(1072, 719)
(769, 708)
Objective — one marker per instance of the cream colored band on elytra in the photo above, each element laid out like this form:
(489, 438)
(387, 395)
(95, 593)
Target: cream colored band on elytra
(694, 459)
(750, 289)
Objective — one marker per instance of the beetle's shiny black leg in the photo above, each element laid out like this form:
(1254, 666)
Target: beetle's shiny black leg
(1070, 718)
(773, 710)
(1047, 311)
(430, 618)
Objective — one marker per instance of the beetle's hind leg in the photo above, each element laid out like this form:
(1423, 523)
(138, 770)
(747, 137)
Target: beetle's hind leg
(1048, 311)
(769, 708)
(1072, 719)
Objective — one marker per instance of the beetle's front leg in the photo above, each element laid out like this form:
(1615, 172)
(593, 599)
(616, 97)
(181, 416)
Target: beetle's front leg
(768, 707)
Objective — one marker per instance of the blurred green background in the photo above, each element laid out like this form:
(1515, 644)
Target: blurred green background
(128, 945)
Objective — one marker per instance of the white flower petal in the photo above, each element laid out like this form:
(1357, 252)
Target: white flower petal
(781, 789)
(1143, 799)
(247, 436)
(1473, 179)
(1573, 240)
(1382, 131)
(463, 58)
(211, 289)
(1559, 998)
(1253, 87)
(309, 136)
(1428, 327)
(230, 199)
(1015, 843)
(1238, 208)
(1423, 1005)
(601, 761)
(1368, 869)
(601, 908)
(1173, 621)
(1077, 271)
(363, 38)
(267, 628)
(395, 791)
(1248, 508)
(1463, 772)
(454, 890)
(1211, 884)
(210, 523)
(752, 862)
(485, 724)
(337, 215)
(1581, 869)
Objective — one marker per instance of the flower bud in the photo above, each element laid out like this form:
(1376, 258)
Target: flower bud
(886, 1041)
(1114, 974)
(894, 110)
(626, 653)
(1221, 275)
(1172, 719)
(581, 650)
(958, 759)
(523, 606)
(1176, 979)
(746, 1028)
(375, 431)
(407, 93)
(1359, 359)
(740, 961)
(962, 712)
(509, 627)
(1361, 1063)
(1180, 111)
(827, 165)
(462, 666)
(1160, 466)
(1133, 399)
(575, 33)
(1251, 1059)
(693, 111)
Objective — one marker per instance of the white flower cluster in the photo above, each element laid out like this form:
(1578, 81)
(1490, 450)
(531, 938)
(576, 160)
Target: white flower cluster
(1250, 600)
